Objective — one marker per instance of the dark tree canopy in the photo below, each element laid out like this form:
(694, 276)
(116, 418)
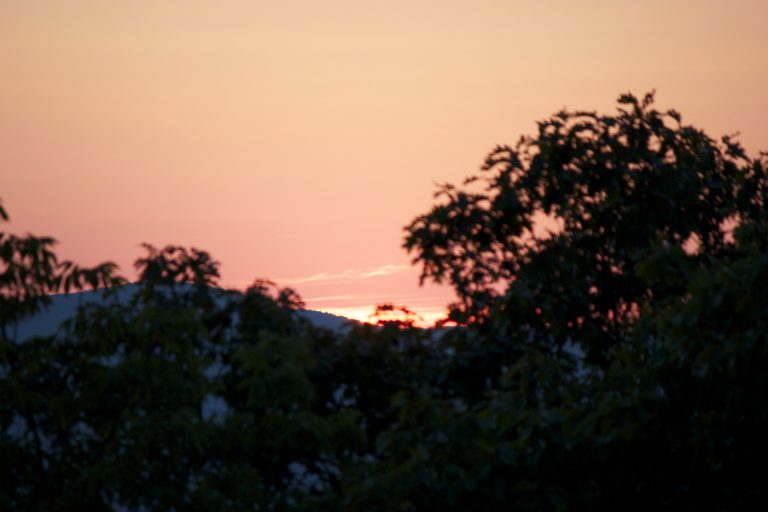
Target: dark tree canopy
(614, 363)
(619, 188)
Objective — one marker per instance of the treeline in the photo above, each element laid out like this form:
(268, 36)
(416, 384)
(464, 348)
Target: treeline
(616, 361)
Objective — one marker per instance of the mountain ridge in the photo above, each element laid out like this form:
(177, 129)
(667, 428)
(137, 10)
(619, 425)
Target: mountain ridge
(64, 306)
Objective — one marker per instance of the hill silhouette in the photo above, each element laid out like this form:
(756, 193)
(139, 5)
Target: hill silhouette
(64, 307)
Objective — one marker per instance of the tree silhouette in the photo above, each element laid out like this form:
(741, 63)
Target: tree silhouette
(616, 360)
(620, 347)
(619, 188)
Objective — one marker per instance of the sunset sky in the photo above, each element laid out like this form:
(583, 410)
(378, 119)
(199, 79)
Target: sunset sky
(293, 140)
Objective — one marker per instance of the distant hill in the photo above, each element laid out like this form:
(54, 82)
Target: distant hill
(327, 320)
(64, 306)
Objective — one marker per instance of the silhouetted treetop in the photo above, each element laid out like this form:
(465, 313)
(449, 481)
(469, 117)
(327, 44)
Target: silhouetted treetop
(611, 191)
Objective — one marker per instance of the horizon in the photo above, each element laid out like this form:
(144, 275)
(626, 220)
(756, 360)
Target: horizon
(294, 141)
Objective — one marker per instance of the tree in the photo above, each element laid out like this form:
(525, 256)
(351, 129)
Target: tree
(171, 393)
(618, 187)
(620, 348)
(614, 362)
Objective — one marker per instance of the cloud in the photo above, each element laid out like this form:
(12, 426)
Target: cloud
(347, 275)
(364, 297)
(377, 298)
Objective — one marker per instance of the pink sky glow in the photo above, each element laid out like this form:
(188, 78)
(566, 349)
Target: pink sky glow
(293, 140)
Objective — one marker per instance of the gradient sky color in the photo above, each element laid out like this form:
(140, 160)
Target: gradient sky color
(294, 139)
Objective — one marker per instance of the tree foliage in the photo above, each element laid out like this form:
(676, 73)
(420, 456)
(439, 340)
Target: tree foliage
(618, 188)
(614, 360)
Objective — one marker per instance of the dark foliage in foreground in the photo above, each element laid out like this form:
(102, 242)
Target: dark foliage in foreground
(618, 360)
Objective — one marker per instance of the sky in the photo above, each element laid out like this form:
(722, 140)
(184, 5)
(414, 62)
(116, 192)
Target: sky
(294, 140)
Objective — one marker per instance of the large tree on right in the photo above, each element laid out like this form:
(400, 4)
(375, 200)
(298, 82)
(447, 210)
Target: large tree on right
(615, 268)
(559, 231)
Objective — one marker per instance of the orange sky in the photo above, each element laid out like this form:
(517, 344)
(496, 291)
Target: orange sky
(294, 139)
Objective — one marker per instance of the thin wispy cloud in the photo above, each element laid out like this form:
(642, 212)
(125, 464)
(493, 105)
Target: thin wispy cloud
(378, 298)
(344, 298)
(347, 275)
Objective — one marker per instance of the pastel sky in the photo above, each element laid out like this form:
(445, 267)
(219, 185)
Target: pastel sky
(294, 139)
